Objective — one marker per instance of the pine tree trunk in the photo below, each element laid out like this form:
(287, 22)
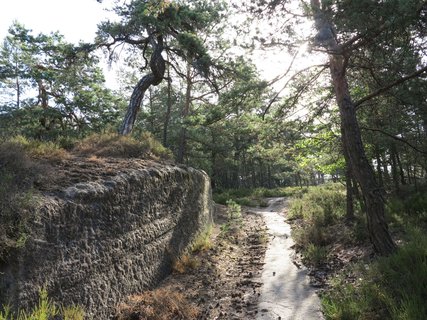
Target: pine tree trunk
(351, 137)
(377, 226)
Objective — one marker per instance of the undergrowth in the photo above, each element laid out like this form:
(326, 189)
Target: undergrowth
(203, 240)
(393, 287)
(234, 217)
(45, 310)
(256, 196)
(320, 208)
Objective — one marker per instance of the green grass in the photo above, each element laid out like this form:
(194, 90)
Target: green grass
(48, 150)
(315, 255)
(203, 240)
(393, 287)
(45, 310)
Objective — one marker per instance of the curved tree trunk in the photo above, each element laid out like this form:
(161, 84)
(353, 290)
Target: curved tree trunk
(352, 140)
(157, 66)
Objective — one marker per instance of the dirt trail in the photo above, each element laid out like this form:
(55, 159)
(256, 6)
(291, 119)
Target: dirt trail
(285, 292)
(233, 280)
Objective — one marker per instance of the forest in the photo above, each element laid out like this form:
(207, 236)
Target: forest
(341, 129)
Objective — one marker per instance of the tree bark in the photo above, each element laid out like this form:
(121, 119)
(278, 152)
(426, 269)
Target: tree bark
(351, 137)
(157, 66)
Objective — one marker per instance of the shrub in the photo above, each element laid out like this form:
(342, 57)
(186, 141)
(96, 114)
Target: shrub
(315, 255)
(115, 145)
(234, 210)
(320, 208)
(47, 150)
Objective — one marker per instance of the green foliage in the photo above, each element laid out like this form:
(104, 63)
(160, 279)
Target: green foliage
(45, 310)
(256, 196)
(39, 149)
(234, 211)
(203, 241)
(315, 255)
(393, 287)
(321, 205)
(51, 87)
(234, 217)
(408, 211)
(319, 210)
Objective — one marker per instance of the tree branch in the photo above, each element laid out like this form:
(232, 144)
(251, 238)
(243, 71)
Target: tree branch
(395, 138)
(391, 85)
(287, 82)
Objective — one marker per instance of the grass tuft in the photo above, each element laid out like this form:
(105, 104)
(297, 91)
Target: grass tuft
(203, 241)
(45, 310)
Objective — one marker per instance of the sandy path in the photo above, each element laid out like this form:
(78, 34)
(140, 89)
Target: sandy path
(285, 292)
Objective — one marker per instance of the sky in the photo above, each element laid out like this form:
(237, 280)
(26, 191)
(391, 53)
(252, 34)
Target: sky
(78, 19)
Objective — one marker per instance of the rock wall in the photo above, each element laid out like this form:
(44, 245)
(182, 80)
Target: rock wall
(94, 243)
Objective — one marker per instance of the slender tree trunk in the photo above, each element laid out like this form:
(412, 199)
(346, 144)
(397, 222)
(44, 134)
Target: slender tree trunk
(168, 111)
(379, 165)
(386, 174)
(184, 113)
(401, 171)
(213, 161)
(18, 93)
(394, 173)
(362, 170)
(18, 86)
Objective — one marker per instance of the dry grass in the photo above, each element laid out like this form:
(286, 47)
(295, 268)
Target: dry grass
(185, 263)
(115, 145)
(159, 304)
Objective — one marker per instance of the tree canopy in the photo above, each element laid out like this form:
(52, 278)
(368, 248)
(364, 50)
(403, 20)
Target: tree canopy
(356, 115)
